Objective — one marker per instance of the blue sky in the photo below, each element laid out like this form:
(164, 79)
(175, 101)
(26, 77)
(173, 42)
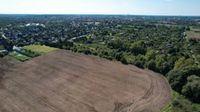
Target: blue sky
(137, 7)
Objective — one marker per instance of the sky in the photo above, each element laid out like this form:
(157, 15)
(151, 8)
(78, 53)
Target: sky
(125, 7)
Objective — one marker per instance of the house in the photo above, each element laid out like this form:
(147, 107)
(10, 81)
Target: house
(15, 48)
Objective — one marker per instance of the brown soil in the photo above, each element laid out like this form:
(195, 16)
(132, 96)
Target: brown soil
(5, 65)
(68, 82)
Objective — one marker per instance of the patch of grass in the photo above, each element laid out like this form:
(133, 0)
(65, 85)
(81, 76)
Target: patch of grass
(193, 34)
(19, 56)
(31, 51)
(195, 28)
(40, 49)
(180, 104)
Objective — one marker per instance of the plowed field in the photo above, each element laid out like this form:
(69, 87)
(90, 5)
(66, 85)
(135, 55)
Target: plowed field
(62, 81)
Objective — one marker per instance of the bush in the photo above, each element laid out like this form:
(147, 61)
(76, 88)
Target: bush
(127, 58)
(124, 60)
(151, 65)
(150, 54)
(165, 68)
(87, 52)
(139, 64)
(3, 54)
(139, 61)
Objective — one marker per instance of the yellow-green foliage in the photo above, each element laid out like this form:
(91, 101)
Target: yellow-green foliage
(182, 62)
(169, 107)
(180, 104)
(41, 49)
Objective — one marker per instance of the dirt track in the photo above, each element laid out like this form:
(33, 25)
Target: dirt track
(69, 82)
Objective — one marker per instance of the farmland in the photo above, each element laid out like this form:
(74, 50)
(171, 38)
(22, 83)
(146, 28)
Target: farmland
(62, 81)
(194, 33)
(167, 45)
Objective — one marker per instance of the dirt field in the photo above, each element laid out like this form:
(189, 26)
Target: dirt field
(6, 64)
(67, 82)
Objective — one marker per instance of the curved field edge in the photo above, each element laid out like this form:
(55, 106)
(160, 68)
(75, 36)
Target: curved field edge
(153, 99)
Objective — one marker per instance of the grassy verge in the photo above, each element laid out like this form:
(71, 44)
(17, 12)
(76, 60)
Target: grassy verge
(40, 49)
(180, 104)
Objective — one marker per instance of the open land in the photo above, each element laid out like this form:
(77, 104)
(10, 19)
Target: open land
(62, 81)
(194, 33)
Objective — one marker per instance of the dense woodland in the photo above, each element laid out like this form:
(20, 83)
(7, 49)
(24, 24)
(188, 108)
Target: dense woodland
(156, 43)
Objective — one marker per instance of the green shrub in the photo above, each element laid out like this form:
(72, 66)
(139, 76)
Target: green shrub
(151, 65)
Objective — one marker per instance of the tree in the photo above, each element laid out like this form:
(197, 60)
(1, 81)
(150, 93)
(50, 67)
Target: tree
(119, 44)
(178, 78)
(165, 68)
(138, 47)
(192, 89)
(127, 58)
(162, 65)
(139, 61)
(182, 62)
(151, 65)
(150, 54)
(68, 44)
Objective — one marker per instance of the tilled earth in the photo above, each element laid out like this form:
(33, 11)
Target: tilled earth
(62, 81)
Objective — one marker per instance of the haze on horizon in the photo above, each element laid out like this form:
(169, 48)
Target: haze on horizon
(125, 7)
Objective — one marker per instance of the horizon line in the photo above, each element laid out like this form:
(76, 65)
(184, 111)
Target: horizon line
(164, 15)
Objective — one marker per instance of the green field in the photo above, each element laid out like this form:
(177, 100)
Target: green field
(194, 33)
(40, 49)
(19, 56)
(31, 51)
